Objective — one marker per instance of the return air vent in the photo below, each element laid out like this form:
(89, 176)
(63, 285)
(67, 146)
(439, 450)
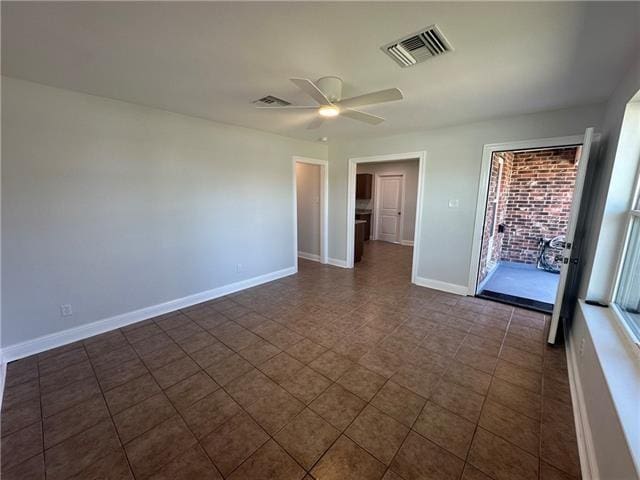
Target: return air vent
(272, 101)
(418, 47)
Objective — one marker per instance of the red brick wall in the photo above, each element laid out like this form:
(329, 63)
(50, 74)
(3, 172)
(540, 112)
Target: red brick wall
(489, 259)
(535, 199)
(539, 203)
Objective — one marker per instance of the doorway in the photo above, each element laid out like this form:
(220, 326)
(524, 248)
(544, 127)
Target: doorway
(310, 209)
(550, 251)
(384, 205)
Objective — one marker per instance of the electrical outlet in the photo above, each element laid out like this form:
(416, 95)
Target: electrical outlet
(454, 203)
(66, 310)
(581, 348)
(238, 268)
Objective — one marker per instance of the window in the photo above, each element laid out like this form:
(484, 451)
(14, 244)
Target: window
(627, 293)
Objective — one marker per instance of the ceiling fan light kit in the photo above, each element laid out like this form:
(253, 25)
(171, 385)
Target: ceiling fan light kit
(327, 92)
(329, 111)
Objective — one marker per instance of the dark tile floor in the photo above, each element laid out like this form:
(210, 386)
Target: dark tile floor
(328, 374)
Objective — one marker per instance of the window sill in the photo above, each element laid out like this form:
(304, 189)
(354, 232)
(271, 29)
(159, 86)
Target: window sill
(619, 359)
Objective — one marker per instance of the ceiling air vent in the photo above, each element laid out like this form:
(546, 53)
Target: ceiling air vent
(272, 101)
(418, 47)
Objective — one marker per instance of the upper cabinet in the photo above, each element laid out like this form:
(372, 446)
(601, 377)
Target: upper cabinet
(363, 185)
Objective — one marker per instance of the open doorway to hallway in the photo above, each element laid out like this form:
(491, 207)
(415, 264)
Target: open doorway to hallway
(385, 211)
(528, 209)
(310, 209)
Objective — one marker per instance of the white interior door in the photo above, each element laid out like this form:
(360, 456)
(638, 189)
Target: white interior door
(569, 261)
(389, 200)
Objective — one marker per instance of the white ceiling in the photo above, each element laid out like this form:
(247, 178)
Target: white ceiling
(212, 59)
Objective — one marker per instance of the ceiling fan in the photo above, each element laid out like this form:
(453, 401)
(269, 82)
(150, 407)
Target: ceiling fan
(327, 91)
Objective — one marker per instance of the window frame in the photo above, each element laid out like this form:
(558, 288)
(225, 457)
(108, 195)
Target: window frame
(632, 214)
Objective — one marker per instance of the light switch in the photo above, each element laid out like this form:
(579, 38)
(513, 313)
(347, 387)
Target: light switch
(455, 203)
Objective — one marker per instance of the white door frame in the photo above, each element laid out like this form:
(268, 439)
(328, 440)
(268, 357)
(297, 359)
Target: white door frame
(324, 207)
(376, 203)
(351, 201)
(485, 171)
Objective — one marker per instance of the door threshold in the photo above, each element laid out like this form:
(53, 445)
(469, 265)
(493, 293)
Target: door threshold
(525, 303)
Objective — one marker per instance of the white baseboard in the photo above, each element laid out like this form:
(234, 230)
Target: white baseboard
(337, 262)
(53, 340)
(309, 256)
(443, 286)
(407, 243)
(586, 450)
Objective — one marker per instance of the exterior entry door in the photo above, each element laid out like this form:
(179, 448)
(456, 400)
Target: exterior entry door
(567, 283)
(389, 208)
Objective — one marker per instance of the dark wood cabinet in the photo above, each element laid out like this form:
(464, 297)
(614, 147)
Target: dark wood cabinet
(358, 249)
(367, 226)
(363, 185)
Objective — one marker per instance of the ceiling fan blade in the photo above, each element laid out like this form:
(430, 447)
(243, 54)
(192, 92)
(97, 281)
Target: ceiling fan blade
(289, 107)
(308, 87)
(315, 123)
(361, 116)
(381, 96)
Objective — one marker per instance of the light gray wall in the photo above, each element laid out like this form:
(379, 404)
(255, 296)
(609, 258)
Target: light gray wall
(610, 192)
(410, 170)
(113, 207)
(308, 199)
(452, 171)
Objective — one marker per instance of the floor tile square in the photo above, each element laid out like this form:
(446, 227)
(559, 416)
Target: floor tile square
(175, 371)
(306, 351)
(331, 365)
(459, 400)
(399, 403)
(420, 459)
(307, 437)
(158, 446)
(337, 406)
(281, 367)
(306, 385)
(190, 465)
(208, 414)
(188, 391)
(233, 442)
(269, 461)
(130, 393)
(345, 460)
(74, 420)
(377, 433)
(229, 369)
(273, 412)
(446, 429)
(145, 415)
(362, 382)
(500, 459)
(518, 429)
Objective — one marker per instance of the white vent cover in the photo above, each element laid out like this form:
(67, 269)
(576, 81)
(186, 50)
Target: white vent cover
(418, 47)
(272, 101)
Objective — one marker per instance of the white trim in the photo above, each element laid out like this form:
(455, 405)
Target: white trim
(443, 286)
(3, 376)
(483, 188)
(376, 203)
(584, 436)
(407, 243)
(309, 256)
(351, 202)
(324, 207)
(53, 340)
(336, 262)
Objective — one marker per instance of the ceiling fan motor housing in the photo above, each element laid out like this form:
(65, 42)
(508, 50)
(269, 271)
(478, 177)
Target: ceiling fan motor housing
(331, 87)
